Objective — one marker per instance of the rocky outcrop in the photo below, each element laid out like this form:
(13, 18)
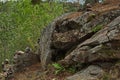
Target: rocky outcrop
(89, 41)
(46, 48)
(90, 38)
(66, 33)
(102, 46)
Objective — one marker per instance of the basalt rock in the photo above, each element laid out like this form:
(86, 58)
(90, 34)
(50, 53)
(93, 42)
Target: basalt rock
(76, 35)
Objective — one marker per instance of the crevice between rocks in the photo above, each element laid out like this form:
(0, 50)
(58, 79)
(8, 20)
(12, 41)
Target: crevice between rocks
(60, 54)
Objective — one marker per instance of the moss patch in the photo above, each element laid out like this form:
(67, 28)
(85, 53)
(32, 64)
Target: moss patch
(97, 28)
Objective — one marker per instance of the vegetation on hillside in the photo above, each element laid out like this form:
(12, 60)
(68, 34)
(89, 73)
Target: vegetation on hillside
(21, 23)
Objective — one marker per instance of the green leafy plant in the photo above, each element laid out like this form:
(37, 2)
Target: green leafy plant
(59, 68)
(72, 69)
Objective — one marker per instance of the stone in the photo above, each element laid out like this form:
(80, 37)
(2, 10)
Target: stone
(28, 50)
(66, 33)
(104, 46)
(46, 46)
(91, 73)
(7, 70)
(23, 59)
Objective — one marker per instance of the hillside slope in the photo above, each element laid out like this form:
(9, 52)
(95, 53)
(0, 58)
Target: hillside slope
(85, 43)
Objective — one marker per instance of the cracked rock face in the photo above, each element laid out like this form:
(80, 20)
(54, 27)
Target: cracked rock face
(89, 38)
(103, 46)
(84, 38)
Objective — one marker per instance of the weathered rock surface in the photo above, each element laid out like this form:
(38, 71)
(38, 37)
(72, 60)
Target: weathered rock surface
(22, 59)
(89, 41)
(91, 38)
(91, 73)
(97, 72)
(62, 36)
(103, 46)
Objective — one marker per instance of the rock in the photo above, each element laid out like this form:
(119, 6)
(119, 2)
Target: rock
(95, 72)
(104, 46)
(91, 73)
(28, 50)
(7, 71)
(22, 60)
(89, 41)
(46, 48)
(64, 34)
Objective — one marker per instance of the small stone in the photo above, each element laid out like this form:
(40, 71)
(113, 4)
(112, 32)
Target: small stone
(54, 79)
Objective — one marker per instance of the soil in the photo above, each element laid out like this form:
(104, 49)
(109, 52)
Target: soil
(35, 72)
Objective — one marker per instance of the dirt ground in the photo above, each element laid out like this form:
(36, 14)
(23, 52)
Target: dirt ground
(35, 72)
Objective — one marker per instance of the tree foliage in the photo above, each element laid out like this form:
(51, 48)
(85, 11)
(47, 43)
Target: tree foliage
(21, 23)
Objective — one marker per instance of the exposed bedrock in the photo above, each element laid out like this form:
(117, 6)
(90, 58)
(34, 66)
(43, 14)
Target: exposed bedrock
(84, 37)
(102, 46)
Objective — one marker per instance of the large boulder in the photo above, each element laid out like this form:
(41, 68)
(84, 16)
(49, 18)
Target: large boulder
(64, 34)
